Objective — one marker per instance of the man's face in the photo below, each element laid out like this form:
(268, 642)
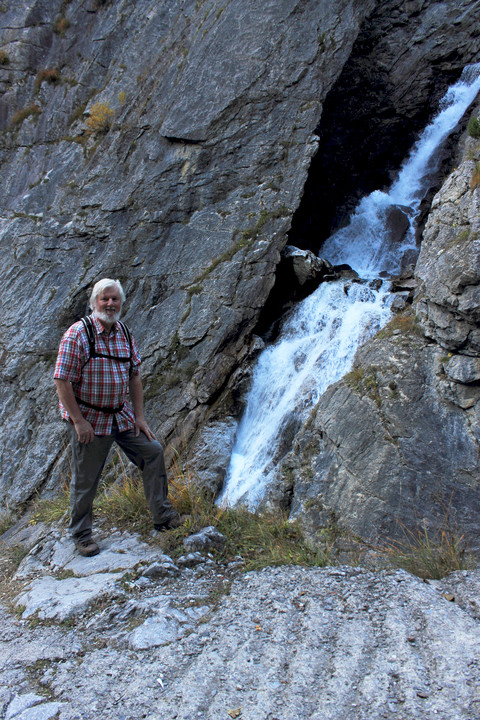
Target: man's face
(108, 305)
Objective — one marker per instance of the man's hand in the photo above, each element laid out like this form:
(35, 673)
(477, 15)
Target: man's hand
(141, 426)
(84, 431)
(82, 427)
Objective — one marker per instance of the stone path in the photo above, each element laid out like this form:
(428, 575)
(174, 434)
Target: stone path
(134, 634)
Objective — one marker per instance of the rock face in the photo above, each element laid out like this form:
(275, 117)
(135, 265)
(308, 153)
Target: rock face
(168, 144)
(207, 641)
(394, 444)
(386, 449)
(184, 190)
(448, 299)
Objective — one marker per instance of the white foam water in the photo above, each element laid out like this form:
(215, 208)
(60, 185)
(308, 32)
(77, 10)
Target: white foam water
(319, 341)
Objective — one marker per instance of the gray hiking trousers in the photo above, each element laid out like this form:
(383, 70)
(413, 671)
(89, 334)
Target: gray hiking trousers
(87, 465)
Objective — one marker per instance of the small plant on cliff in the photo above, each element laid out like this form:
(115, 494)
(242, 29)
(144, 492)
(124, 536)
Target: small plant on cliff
(100, 119)
(473, 127)
(61, 25)
(364, 381)
(475, 179)
(50, 75)
(4, 59)
(6, 521)
(21, 115)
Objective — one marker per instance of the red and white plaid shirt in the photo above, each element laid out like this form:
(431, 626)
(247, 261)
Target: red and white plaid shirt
(99, 381)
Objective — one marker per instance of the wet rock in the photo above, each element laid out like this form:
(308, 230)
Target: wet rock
(210, 454)
(397, 223)
(305, 267)
(400, 302)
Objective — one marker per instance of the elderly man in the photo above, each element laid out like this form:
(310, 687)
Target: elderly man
(97, 368)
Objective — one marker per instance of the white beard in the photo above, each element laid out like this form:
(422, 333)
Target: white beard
(106, 317)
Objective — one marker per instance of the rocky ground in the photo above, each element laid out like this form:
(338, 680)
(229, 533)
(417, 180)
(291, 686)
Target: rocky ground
(132, 633)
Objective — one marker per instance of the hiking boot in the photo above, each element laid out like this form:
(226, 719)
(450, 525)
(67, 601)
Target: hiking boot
(171, 523)
(86, 546)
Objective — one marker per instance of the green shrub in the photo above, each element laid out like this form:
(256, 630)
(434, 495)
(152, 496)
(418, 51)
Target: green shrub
(473, 127)
(4, 59)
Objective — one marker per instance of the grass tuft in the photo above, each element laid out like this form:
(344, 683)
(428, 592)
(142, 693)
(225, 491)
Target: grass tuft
(6, 521)
(473, 127)
(261, 539)
(61, 25)
(49, 75)
(52, 509)
(21, 115)
(407, 323)
(429, 557)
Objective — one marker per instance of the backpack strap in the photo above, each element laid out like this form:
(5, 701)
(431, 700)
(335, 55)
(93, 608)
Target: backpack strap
(90, 330)
(128, 335)
(88, 325)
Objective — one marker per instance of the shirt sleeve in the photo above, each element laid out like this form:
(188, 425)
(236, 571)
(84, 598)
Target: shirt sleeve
(70, 358)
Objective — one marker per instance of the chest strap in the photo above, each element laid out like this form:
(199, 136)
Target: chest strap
(89, 329)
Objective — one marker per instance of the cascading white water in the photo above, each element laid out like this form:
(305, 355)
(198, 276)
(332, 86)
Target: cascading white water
(319, 341)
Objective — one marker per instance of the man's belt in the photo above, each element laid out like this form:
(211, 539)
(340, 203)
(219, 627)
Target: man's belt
(107, 410)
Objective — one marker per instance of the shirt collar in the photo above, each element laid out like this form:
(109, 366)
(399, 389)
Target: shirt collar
(99, 327)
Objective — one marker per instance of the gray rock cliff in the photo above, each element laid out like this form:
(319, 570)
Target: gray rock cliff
(186, 189)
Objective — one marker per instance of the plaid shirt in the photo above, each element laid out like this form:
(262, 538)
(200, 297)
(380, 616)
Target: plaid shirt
(99, 381)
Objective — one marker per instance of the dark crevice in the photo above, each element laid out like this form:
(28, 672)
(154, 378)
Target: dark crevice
(367, 128)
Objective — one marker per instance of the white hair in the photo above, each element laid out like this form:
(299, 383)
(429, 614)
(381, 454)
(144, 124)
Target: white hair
(102, 285)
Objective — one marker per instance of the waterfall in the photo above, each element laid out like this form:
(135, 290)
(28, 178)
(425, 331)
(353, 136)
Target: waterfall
(319, 340)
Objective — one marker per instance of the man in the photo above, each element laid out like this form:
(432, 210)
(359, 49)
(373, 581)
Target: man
(97, 368)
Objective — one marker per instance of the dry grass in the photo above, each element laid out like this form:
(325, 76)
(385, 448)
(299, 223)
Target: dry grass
(61, 25)
(21, 115)
(475, 179)
(100, 119)
(429, 556)
(49, 75)
(260, 538)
